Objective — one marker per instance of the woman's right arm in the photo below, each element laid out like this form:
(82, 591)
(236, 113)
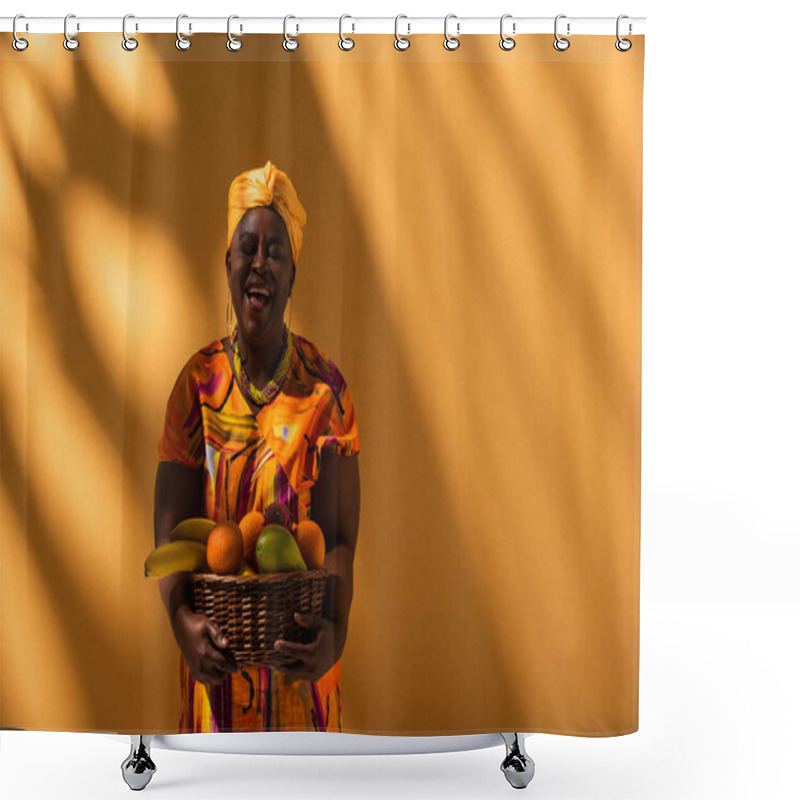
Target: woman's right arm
(178, 496)
(179, 492)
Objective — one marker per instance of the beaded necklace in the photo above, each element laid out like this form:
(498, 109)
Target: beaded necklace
(262, 396)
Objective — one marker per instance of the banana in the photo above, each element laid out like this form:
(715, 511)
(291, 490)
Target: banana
(183, 556)
(195, 529)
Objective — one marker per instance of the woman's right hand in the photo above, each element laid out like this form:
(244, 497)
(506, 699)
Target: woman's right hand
(203, 646)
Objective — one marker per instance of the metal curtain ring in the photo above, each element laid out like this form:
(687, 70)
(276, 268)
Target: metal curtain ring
(128, 42)
(182, 43)
(345, 42)
(233, 44)
(623, 45)
(400, 42)
(18, 44)
(70, 42)
(561, 44)
(451, 42)
(506, 42)
(289, 42)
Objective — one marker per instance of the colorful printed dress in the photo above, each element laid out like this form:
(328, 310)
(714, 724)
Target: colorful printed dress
(248, 462)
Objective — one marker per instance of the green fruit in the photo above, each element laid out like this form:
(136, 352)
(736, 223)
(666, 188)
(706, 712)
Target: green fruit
(277, 551)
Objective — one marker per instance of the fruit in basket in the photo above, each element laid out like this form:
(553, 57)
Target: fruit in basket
(194, 529)
(182, 556)
(251, 526)
(277, 551)
(278, 514)
(311, 541)
(246, 571)
(225, 549)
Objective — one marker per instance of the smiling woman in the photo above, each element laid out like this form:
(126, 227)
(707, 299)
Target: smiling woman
(261, 416)
(260, 279)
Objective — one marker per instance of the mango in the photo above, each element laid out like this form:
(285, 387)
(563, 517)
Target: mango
(277, 551)
(311, 541)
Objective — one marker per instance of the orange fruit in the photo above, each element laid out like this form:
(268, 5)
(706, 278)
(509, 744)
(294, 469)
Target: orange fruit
(225, 549)
(311, 541)
(251, 526)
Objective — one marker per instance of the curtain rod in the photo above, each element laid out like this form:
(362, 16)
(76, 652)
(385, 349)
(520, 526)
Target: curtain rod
(406, 26)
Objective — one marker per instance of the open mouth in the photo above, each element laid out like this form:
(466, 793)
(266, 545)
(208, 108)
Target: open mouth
(258, 298)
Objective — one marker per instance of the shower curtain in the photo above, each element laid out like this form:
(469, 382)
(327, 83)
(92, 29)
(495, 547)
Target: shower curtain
(467, 301)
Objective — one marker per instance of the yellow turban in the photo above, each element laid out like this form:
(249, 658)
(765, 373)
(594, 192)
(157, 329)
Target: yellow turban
(267, 186)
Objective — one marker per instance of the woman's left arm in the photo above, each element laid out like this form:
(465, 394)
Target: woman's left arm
(335, 507)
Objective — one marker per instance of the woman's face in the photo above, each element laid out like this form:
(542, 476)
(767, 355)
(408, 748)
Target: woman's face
(260, 274)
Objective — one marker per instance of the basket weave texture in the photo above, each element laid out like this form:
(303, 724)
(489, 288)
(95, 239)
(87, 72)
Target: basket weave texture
(252, 612)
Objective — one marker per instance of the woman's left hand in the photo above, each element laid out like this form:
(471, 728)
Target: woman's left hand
(311, 661)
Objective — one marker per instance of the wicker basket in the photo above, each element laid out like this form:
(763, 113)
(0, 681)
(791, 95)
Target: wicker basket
(252, 612)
